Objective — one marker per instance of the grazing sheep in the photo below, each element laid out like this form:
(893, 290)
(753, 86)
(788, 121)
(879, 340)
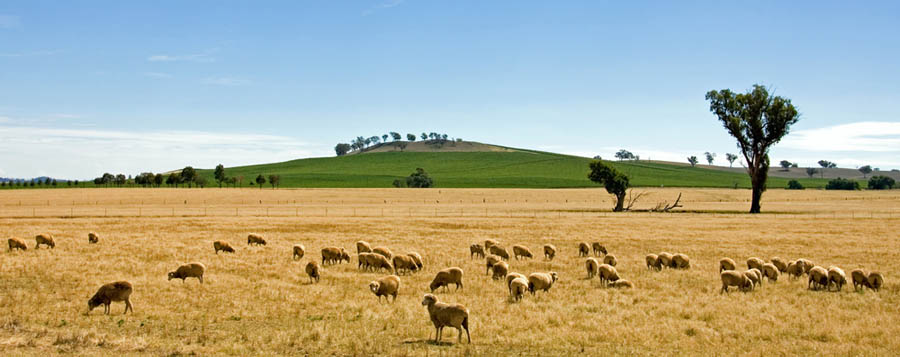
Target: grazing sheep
(16, 243)
(190, 270)
(755, 263)
(378, 262)
(754, 278)
(584, 249)
(795, 269)
(591, 265)
(384, 251)
(223, 246)
(622, 284)
(818, 278)
(541, 281)
(45, 239)
(607, 273)
(770, 271)
(488, 243)
(385, 286)
(363, 261)
(521, 251)
(312, 270)
(653, 262)
(499, 251)
(780, 264)
(806, 264)
(665, 259)
(112, 292)
(860, 279)
(299, 251)
(726, 264)
(446, 277)
(344, 256)
(455, 315)
(511, 276)
(598, 248)
(93, 238)
(735, 278)
(404, 262)
(837, 277)
(489, 263)
(363, 247)
(875, 280)
(549, 251)
(334, 255)
(681, 261)
(499, 270)
(476, 250)
(610, 259)
(517, 288)
(254, 238)
(418, 259)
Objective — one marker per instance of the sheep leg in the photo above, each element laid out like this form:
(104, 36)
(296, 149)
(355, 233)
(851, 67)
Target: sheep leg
(128, 306)
(201, 279)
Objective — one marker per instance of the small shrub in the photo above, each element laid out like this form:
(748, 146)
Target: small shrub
(842, 184)
(794, 185)
(881, 183)
(399, 183)
(419, 179)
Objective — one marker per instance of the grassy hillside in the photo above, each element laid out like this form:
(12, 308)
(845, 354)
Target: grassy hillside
(511, 169)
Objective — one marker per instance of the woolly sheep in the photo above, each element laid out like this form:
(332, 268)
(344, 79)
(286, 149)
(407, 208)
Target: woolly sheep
(334, 255)
(591, 265)
(837, 277)
(418, 259)
(363, 247)
(726, 264)
(665, 259)
(598, 248)
(446, 277)
(385, 286)
(653, 262)
(622, 284)
(512, 275)
(607, 273)
(754, 278)
(735, 278)
(860, 279)
(681, 261)
(489, 262)
(363, 261)
(517, 288)
(404, 262)
(780, 264)
(584, 249)
(549, 251)
(806, 264)
(384, 251)
(795, 269)
(521, 251)
(254, 238)
(16, 243)
(112, 292)
(499, 270)
(755, 263)
(378, 262)
(45, 239)
(499, 251)
(93, 238)
(223, 246)
(190, 270)
(610, 259)
(875, 280)
(541, 281)
(441, 314)
(818, 278)
(476, 250)
(312, 270)
(299, 251)
(488, 243)
(770, 271)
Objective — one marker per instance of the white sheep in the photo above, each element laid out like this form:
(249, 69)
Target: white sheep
(607, 273)
(726, 264)
(681, 261)
(875, 280)
(489, 263)
(446, 277)
(860, 279)
(780, 264)
(418, 259)
(770, 271)
(404, 262)
(385, 286)
(499, 251)
(455, 315)
(363, 247)
(653, 262)
(755, 263)
(591, 264)
(45, 239)
(837, 277)
(521, 251)
(499, 270)
(610, 259)
(517, 288)
(818, 278)
(384, 251)
(735, 278)
(541, 281)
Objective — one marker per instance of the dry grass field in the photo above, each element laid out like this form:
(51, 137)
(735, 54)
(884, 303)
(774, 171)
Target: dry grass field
(258, 301)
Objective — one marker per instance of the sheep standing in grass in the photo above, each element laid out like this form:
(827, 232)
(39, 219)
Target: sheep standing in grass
(384, 251)
(418, 259)
(378, 262)
(726, 264)
(665, 259)
(598, 249)
(754, 277)
(770, 271)
(584, 249)
(16, 243)
(795, 269)
(312, 270)
(499, 270)
(517, 288)
(489, 263)
(446, 277)
(653, 262)
(510, 276)
(254, 238)
(806, 264)
(837, 277)
(93, 238)
(818, 278)
(780, 264)
(541, 281)
(859, 278)
(299, 251)
(45, 239)
(190, 270)
(521, 251)
(441, 314)
(755, 263)
(607, 273)
(499, 251)
(404, 262)
(363, 247)
(385, 286)
(681, 261)
(735, 278)
(591, 265)
(875, 280)
(476, 250)
(610, 260)
(223, 246)
(488, 243)
(334, 255)
(112, 292)
(549, 251)
(622, 284)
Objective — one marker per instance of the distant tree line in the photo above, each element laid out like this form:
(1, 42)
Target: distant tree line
(361, 143)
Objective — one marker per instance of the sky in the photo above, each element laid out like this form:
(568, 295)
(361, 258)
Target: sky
(133, 86)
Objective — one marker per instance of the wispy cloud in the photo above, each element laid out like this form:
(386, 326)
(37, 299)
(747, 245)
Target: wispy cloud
(30, 53)
(157, 75)
(199, 57)
(383, 5)
(226, 81)
(9, 21)
(855, 137)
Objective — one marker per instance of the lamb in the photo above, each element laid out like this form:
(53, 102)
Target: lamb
(521, 251)
(517, 288)
(780, 264)
(489, 263)
(610, 260)
(476, 250)
(16, 243)
(45, 239)
(404, 262)
(875, 280)
(363, 247)
(378, 262)
(622, 284)
(680, 261)
(541, 281)
(818, 278)
(190, 270)
(770, 271)
(735, 278)
(499, 251)
(607, 273)
(112, 292)
(549, 251)
(837, 277)
(455, 315)
(93, 238)
(446, 277)
(418, 259)
(312, 270)
(755, 263)
(500, 270)
(385, 286)
(488, 243)
(860, 279)
(665, 259)
(598, 248)
(795, 269)
(591, 266)
(653, 262)
(254, 238)
(223, 246)
(384, 251)
(726, 264)
(299, 251)
(584, 249)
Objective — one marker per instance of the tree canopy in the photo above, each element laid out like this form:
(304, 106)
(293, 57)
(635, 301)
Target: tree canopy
(615, 182)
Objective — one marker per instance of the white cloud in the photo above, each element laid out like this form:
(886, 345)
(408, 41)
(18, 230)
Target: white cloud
(861, 136)
(201, 57)
(226, 81)
(9, 21)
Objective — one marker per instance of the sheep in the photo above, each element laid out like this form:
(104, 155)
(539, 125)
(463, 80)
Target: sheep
(190, 270)
(418, 259)
(223, 246)
(521, 251)
(770, 271)
(541, 281)
(795, 269)
(112, 292)
(511, 276)
(489, 262)
(837, 277)
(455, 315)
(754, 278)
(598, 248)
(446, 277)
(622, 283)
(653, 262)
(500, 270)
(344, 256)
(735, 278)
(860, 279)
(584, 249)
(665, 259)
(549, 251)
(681, 261)
(378, 262)
(404, 262)
(254, 238)
(780, 264)
(607, 273)
(755, 263)
(16, 243)
(299, 251)
(610, 259)
(726, 264)
(363, 247)
(806, 264)
(488, 243)
(363, 259)
(517, 288)
(45, 239)
(591, 264)
(93, 238)
(334, 255)
(312, 270)
(385, 286)
(818, 278)
(499, 251)
(384, 251)
(476, 250)
(875, 280)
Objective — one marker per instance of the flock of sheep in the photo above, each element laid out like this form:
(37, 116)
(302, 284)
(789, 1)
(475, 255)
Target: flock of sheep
(496, 260)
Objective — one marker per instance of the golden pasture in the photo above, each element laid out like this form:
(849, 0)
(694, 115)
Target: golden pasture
(259, 301)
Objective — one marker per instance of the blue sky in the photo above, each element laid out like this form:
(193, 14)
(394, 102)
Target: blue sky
(128, 86)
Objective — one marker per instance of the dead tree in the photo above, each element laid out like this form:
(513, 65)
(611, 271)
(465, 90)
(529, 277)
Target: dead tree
(665, 207)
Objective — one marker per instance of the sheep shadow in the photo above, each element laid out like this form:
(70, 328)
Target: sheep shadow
(427, 342)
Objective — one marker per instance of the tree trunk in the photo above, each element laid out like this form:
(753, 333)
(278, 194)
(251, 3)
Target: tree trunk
(757, 196)
(620, 202)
